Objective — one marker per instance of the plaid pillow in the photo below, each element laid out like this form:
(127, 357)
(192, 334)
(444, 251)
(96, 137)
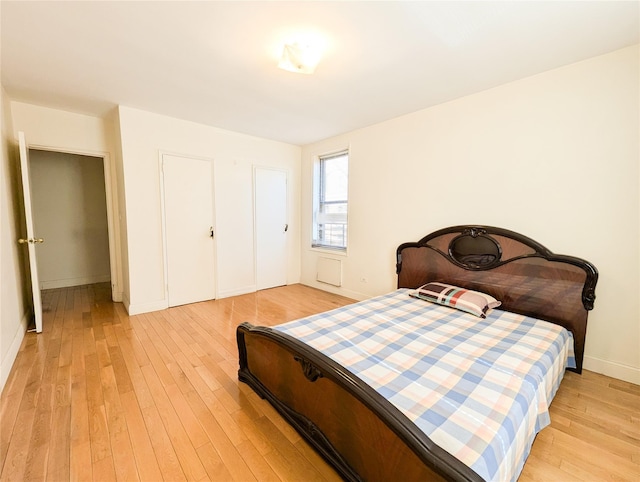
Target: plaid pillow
(473, 302)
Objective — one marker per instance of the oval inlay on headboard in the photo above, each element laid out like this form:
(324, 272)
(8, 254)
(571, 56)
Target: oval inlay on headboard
(474, 249)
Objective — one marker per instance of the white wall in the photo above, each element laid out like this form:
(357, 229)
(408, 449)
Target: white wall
(144, 136)
(14, 309)
(70, 213)
(57, 130)
(554, 156)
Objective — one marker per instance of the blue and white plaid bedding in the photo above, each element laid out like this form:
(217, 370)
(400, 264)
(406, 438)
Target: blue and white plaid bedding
(479, 388)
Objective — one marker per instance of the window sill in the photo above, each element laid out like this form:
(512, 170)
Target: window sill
(336, 252)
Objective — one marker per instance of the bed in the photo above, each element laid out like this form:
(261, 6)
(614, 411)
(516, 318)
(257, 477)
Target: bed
(423, 384)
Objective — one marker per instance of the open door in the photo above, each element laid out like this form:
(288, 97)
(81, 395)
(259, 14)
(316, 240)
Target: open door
(31, 241)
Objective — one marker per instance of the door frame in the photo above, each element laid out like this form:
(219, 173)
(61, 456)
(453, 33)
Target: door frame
(165, 267)
(255, 226)
(113, 227)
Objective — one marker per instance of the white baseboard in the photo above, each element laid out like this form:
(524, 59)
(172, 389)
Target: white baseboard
(612, 369)
(10, 357)
(125, 302)
(236, 292)
(354, 295)
(138, 308)
(64, 283)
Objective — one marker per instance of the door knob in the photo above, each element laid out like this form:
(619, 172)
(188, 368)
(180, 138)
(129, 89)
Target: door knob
(286, 228)
(31, 240)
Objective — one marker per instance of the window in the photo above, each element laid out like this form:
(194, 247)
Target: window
(331, 176)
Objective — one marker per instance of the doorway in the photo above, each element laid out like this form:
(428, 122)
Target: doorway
(70, 214)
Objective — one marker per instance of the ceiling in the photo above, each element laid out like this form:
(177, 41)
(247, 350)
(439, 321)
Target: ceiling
(214, 62)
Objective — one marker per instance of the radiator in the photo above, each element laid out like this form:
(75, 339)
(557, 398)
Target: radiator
(329, 271)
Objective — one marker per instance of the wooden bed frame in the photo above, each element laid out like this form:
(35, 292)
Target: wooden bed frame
(353, 427)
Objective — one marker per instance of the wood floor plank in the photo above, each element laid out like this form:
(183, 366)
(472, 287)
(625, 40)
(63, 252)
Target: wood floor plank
(219, 439)
(154, 350)
(327, 472)
(213, 464)
(258, 463)
(101, 395)
(188, 419)
(283, 452)
(59, 452)
(123, 380)
(272, 415)
(38, 402)
(12, 396)
(80, 467)
(99, 434)
(610, 439)
(66, 347)
(229, 384)
(207, 377)
(39, 443)
(179, 334)
(252, 431)
(18, 450)
(109, 335)
(546, 472)
(590, 455)
(189, 460)
(113, 408)
(146, 461)
(203, 332)
(165, 454)
(104, 470)
(132, 363)
(223, 418)
(123, 457)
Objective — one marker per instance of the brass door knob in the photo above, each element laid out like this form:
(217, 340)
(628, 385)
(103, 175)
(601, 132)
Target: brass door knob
(31, 240)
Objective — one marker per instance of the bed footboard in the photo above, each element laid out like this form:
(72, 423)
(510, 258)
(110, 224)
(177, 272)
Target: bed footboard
(355, 429)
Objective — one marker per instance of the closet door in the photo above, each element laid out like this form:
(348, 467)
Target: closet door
(271, 227)
(188, 229)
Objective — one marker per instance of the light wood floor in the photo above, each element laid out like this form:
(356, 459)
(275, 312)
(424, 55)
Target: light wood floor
(103, 396)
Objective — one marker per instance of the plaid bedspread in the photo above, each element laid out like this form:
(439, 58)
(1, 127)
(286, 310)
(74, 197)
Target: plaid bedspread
(479, 388)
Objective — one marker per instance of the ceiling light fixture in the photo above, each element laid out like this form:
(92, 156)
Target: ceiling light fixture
(300, 58)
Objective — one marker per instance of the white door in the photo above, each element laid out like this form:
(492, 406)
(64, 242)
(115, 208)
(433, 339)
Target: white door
(189, 234)
(271, 228)
(31, 240)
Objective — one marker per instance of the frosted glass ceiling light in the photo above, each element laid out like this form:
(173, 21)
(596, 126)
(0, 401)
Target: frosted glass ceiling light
(299, 58)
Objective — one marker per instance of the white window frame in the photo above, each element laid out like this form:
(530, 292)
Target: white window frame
(319, 218)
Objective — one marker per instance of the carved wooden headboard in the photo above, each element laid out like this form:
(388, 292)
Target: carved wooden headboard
(524, 275)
